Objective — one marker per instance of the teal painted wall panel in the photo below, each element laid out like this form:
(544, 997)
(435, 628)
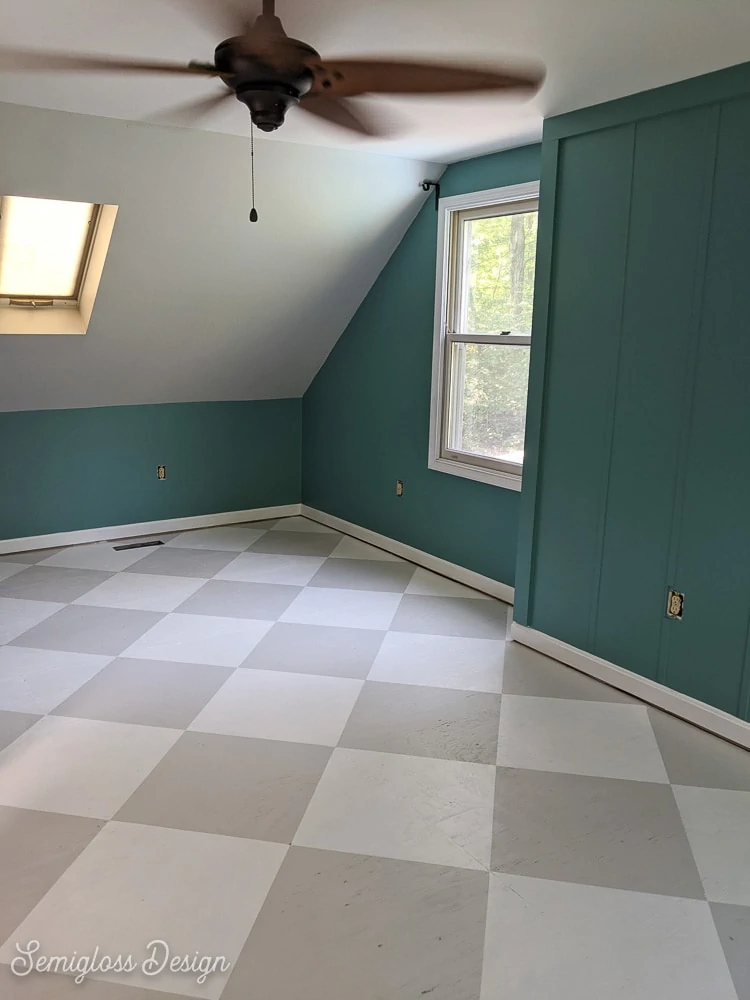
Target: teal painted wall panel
(706, 650)
(670, 491)
(366, 415)
(672, 173)
(65, 470)
(586, 305)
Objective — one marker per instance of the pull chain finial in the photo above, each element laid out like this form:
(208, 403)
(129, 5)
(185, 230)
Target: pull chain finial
(253, 211)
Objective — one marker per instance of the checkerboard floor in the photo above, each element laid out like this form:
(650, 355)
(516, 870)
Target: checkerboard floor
(275, 744)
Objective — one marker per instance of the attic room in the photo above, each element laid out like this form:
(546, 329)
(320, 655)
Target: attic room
(374, 549)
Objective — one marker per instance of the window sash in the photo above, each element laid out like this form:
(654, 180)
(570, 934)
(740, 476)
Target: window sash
(458, 270)
(452, 401)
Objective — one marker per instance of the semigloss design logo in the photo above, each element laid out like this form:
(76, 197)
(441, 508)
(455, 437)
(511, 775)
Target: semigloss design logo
(158, 960)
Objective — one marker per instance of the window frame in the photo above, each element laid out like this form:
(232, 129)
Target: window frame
(64, 315)
(454, 210)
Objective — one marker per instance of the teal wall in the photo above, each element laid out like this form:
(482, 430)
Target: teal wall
(366, 415)
(64, 470)
(637, 476)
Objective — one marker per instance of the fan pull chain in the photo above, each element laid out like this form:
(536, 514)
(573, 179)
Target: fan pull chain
(253, 211)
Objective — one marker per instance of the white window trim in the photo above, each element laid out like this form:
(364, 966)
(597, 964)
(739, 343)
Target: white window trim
(70, 317)
(446, 207)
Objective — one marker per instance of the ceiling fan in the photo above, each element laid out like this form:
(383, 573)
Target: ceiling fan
(270, 72)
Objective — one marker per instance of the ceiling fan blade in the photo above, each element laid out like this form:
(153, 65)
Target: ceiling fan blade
(340, 112)
(350, 77)
(12, 60)
(191, 111)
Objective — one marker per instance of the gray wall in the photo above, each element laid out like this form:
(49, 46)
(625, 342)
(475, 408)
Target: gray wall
(196, 303)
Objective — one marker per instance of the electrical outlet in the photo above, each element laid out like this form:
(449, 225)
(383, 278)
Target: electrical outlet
(161, 472)
(399, 488)
(675, 604)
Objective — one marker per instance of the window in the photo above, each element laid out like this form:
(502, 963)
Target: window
(51, 261)
(485, 293)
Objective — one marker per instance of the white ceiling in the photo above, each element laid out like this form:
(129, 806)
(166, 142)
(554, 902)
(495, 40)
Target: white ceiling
(594, 50)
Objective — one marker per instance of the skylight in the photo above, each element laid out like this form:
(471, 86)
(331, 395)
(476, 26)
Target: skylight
(43, 247)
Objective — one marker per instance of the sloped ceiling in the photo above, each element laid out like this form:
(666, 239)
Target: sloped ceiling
(594, 50)
(197, 303)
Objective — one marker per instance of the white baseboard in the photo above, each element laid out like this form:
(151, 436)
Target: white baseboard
(697, 712)
(63, 538)
(454, 572)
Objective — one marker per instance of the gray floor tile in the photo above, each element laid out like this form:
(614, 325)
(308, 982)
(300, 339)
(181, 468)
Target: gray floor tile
(693, 757)
(230, 785)
(364, 574)
(601, 831)
(146, 693)
(733, 925)
(477, 619)
(296, 543)
(530, 673)
(317, 649)
(425, 722)
(35, 849)
(30, 558)
(80, 629)
(41, 986)
(169, 561)
(52, 583)
(228, 599)
(342, 926)
(13, 724)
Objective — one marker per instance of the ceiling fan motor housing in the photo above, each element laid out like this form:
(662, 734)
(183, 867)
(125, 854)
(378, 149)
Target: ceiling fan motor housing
(267, 90)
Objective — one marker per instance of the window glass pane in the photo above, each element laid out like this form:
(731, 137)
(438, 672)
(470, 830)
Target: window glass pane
(498, 257)
(488, 388)
(42, 244)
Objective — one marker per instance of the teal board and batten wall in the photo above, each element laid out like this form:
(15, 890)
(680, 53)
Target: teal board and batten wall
(65, 470)
(366, 415)
(638, 475)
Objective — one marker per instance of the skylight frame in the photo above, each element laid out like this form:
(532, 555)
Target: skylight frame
(65, 315)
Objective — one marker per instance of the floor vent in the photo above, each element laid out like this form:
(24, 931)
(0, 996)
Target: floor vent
(136, 545)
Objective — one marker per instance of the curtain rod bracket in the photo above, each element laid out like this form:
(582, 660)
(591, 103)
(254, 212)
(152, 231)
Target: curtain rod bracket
(427, 185)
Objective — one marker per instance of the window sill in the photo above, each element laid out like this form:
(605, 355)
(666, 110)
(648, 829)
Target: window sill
(505, 480)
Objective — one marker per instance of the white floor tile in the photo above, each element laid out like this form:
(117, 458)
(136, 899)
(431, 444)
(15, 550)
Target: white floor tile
(349, 608)
(199, 893)
(717, 823)
(429, 584)
(221, 642)
(440, 661)
(579, 737)
(395, 806)
(275, 705)
(228, 538)
(38, 680)
(80, 766)
(9, 569)
(18, 616)
(353, 548)
(142, 592)
(262, 567)
(100, 555)
(566, 941)
(297, 523)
